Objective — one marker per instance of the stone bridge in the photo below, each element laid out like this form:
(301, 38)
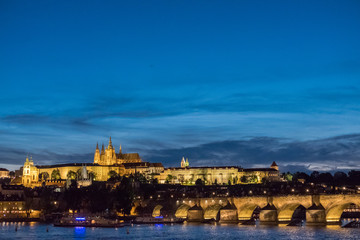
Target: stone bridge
(320, 209)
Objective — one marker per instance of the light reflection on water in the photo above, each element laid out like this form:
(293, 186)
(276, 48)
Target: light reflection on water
(182, 231)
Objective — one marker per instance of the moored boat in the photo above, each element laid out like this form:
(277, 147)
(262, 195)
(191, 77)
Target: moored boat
(81, 221)
(157, 220)
(352, 224)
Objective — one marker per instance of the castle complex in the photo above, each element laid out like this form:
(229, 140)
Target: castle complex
(107, 162)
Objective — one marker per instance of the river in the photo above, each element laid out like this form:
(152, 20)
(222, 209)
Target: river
(177, 231)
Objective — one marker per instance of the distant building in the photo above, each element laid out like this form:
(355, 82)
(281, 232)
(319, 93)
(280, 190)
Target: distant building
(4, 173)
(218, 175)
(11, 190)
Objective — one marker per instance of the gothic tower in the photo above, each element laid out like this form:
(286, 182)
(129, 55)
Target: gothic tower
(97, 154)
(183, 162)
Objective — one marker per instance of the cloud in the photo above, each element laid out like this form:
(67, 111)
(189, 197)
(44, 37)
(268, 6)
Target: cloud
(340, 153)
(329, 154)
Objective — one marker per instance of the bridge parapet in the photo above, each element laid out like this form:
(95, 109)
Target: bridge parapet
(320, 209)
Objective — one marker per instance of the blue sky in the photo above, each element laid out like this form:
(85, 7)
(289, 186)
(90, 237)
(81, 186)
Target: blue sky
(176, 75)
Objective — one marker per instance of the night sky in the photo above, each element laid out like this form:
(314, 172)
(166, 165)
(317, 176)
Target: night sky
(239, 83)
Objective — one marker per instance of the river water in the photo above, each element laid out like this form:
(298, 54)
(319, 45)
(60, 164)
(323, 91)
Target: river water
(177, 231)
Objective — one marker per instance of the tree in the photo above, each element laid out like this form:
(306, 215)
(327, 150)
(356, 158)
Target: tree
(169, 178)
(326, 178)
(235, 179)
(264, 180)
(301, 176)
(78, 172)
(124, 197)
(92, 175)
(55, 174)
(199, 182)
(46, 196)
(97, 197)
(71, 175)
(288, 176)
(73, 197)
(155, 181)
(28, 205)
(113, 175)
(44, 176)
(244, 179)
(314, 176)
(340, 178)
(253, 179)
(181, 179)
(354, 177)
(139, 177)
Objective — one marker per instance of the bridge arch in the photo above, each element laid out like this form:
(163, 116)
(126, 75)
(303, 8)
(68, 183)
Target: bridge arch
(286, 212)
(212, 212)
(182, 211)
(333, 214)
(245, 212)
(156, 212)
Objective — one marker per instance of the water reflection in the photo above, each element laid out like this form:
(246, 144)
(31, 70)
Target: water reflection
(159, 225)
(181, 231)
(79, 231)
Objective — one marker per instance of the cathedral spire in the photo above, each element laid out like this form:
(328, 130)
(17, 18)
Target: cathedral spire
(102, 149)
(110, 143)
(120, 151)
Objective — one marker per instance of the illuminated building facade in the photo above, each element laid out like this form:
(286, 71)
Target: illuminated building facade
(218, 175)
(124, 164)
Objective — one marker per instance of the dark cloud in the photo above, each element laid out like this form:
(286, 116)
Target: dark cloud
(329, 154)
(342, 152)
(14, 156)
(26, 118)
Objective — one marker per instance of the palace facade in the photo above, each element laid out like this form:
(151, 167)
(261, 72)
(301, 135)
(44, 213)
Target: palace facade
(218, 175)
(107, 162)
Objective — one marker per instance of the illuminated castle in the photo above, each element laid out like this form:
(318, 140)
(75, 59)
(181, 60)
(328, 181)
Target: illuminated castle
(108, 156)
(108, 161)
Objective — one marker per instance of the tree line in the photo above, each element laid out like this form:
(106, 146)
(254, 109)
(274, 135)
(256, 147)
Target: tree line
(336, 179)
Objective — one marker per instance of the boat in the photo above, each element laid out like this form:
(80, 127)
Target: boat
(82, 221)
(157, 220)
(352, 224)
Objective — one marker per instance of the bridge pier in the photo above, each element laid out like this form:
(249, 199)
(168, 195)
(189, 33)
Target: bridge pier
(195, 214)
(228, 214)
(269, 215)
(315, 215)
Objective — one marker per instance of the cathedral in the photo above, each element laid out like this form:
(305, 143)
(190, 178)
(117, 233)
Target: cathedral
(108, 156)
